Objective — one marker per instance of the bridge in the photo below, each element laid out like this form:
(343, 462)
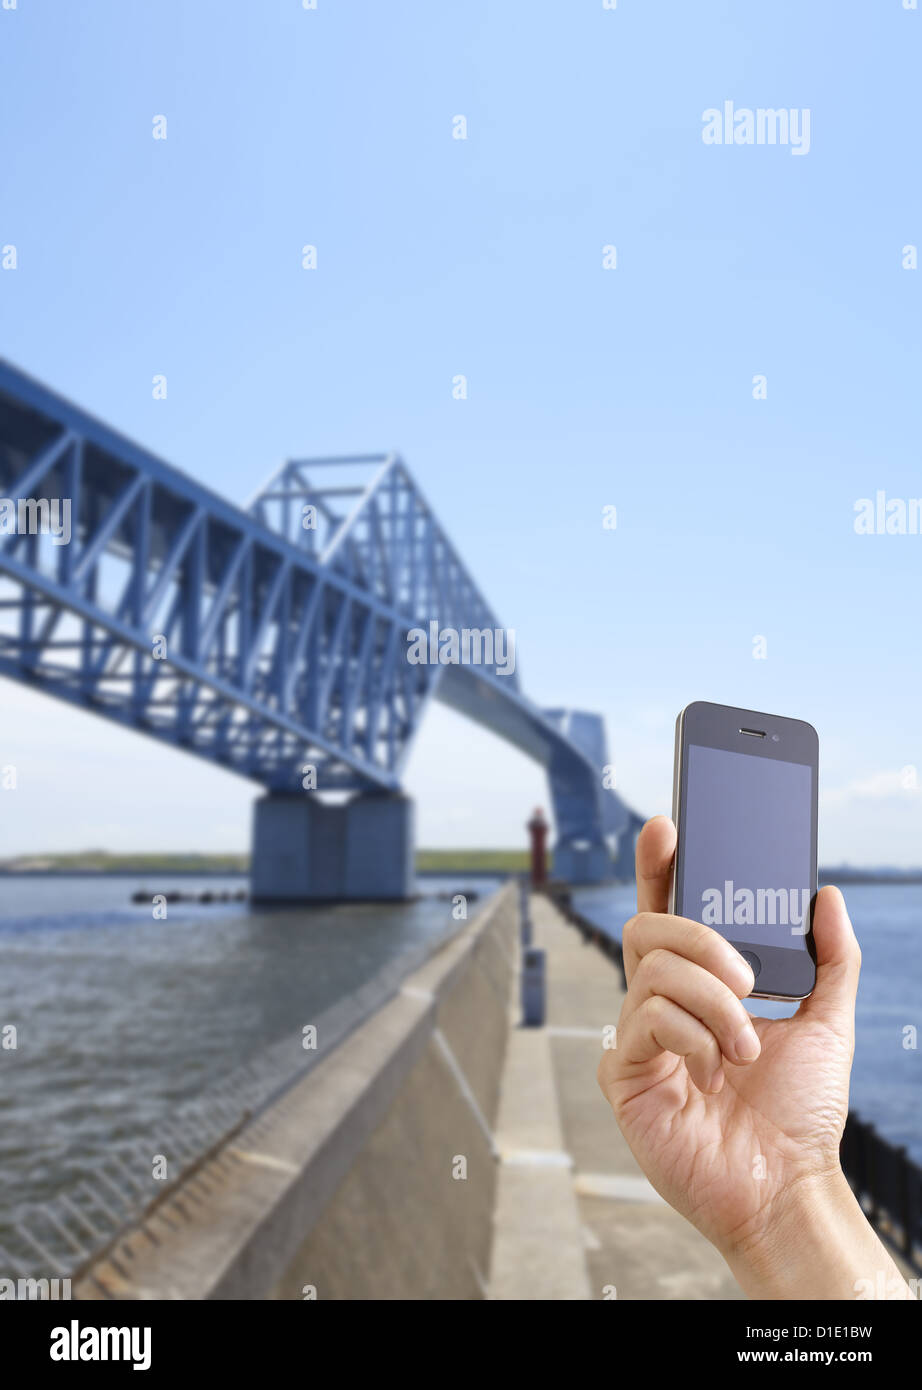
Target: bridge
(279, 641)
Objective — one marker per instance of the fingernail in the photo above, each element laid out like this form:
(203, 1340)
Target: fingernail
(717, 1079)
(747, 1046)
(743, 974)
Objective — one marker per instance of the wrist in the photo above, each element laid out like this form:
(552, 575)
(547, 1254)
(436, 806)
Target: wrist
(814, 1242)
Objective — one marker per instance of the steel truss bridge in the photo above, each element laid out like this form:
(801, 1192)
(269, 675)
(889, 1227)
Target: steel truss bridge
(269, 640)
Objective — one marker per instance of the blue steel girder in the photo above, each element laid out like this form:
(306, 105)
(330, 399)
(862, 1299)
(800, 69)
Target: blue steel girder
(178, 614)
(262, 639)
(387, 541)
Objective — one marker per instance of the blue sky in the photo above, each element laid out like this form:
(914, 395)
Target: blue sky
(587, 387)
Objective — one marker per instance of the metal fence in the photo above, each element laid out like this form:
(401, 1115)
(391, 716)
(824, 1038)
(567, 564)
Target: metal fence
(888, 1184)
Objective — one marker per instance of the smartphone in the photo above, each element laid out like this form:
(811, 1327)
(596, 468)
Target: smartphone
(744, 805)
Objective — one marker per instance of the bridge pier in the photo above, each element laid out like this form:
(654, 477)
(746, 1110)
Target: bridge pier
(306, 850)
(627, 842)
(581, 861)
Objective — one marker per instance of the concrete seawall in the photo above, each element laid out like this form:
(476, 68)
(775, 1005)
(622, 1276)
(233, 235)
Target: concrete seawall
(373, 1177)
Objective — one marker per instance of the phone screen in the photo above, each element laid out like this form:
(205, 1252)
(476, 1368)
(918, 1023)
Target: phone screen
(747, 845)
(746, 855)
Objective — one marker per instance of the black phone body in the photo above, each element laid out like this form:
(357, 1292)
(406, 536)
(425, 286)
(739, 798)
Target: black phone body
(745, 808)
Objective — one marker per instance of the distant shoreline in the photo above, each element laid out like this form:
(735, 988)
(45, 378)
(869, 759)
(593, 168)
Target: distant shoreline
(96, 864)
(478, 863)
(843, 876)
(485, 872)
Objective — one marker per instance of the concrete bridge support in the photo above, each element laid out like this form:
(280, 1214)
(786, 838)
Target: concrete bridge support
(627, 843)
(581, 861)
(308, 850)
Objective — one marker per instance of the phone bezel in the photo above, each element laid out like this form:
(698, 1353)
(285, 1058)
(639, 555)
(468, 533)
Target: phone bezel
(719, 726)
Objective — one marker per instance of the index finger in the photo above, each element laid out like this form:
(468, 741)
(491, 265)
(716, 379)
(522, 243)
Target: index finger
(653, 861)
(657, 931)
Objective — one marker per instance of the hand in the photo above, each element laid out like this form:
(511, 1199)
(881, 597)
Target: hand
(735, 1121)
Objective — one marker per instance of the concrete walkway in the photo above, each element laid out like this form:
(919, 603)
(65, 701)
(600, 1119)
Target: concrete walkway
(575, 1217)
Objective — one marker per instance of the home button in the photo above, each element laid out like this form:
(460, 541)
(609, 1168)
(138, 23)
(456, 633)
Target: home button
(752, 959)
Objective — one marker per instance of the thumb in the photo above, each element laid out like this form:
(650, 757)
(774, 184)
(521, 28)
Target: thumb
(838, 963)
